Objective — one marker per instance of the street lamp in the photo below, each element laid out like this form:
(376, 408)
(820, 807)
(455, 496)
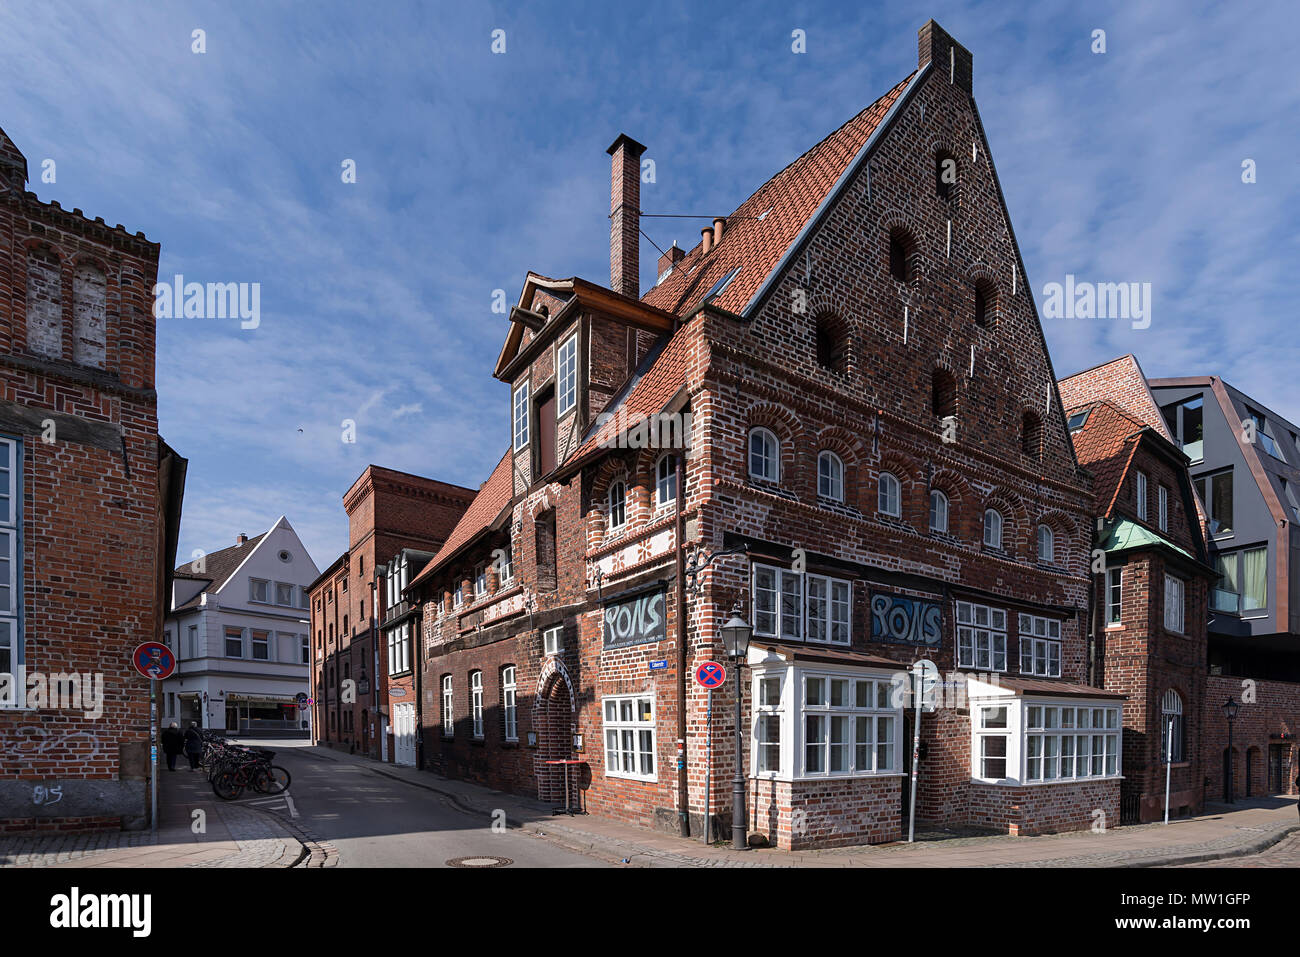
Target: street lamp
(1230, 712)
(735, 639)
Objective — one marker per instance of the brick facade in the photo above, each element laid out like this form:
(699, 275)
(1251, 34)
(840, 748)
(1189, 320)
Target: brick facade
(832, 354)
(77, 402)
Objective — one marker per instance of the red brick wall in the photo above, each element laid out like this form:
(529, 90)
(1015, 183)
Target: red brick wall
(1268, 718)
(90, 522)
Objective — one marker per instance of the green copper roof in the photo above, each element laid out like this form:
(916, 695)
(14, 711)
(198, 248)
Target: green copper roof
(1125, 535)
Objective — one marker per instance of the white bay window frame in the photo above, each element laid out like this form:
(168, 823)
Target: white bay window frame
(820, 723)
(1047, 740)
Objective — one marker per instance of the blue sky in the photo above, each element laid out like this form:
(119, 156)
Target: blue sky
(473, 167)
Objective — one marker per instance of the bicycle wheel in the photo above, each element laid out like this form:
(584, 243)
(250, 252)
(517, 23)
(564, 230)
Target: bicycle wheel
(226, 786)
(271, 779)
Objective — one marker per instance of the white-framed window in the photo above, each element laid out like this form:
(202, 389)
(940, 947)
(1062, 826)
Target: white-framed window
(617, 505)
(816, 723)
(981, 637)
(764, 456)
(192, 648)
(509, 703)
(304, 649)
(1046, 544)
(448, 723)
(480, 580)
(1040, 646)
(938, 511)
(476, 701)
(458, 596)
(830, 476)
(768, 705)
(1068, 742)
(1162, 498)
(11, 594)
(801, 605)
(889, 501)
(506, 570)
(234, 642)
(1114, 595)
(992, 727)
(1174, 604)
(553, 640)
(261, 646)
(849, 726)
(258, 590)
(284, 594)
(520, 417)
(399, 649)
(1171, 711)
(1141, 480)
(566, 362)
(665, 480)
(992, 528)
(630, 737)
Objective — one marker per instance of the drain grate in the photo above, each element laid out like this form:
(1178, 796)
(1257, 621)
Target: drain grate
(480, 862)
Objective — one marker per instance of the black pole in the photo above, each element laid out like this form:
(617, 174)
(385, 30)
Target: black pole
(1230, 789)
(738, 829)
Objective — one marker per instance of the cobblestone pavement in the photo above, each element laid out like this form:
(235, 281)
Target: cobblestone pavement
(1285, 853)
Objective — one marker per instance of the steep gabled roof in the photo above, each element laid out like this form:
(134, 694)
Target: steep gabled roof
(1122, 381)
(756, 239)
(217, 567)
(494, 496)
(1105, 445)
(786, 203)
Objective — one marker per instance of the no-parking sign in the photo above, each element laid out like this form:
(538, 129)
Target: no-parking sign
(710, 675)
(154, 660)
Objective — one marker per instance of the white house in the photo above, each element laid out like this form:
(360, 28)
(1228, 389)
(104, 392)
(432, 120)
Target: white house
(239, 627)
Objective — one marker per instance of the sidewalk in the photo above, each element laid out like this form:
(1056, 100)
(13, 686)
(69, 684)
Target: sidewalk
(236, 835)
(1222, 832)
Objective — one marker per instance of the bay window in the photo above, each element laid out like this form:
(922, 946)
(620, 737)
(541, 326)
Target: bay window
(1020, 740)
(801, 605)
(812, 724)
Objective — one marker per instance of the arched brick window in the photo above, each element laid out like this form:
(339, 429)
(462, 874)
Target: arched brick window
(902, 249)
(44, 304)
(832, 341)
(992, 528)
(889, 499)
(1046, 544)
(1031, 433)
(943, 393)
(89, 315)
(1171, 711)
(830, 476)
(986, 303)
(764, 456)
(938, 511)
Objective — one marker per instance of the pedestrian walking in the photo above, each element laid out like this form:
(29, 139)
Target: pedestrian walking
(193, 745)
(173, 742)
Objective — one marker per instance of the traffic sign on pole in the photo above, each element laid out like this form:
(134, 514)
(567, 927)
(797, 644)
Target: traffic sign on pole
(154, 660)
(710, 675)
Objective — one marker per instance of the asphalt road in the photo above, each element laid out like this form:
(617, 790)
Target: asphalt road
(376, 821)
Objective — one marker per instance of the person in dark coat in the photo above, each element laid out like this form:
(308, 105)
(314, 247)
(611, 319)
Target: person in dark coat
(173, 743)
(193, 745)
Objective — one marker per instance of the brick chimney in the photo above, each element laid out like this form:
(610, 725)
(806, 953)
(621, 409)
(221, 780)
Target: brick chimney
(625, 216)
(241, 538)
(671, 258)
(951, 60)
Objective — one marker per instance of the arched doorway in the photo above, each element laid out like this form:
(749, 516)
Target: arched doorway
(553, 722)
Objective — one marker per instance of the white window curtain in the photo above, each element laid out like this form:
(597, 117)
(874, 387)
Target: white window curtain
(1254, 577)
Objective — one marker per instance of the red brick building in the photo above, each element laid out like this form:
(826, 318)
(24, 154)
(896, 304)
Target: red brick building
(850, 374)
(1152, 583)
(89, 512)
(354, 690)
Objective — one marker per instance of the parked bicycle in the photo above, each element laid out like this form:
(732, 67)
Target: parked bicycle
(232, 768)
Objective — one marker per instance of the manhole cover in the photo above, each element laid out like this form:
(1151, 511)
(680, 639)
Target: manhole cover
(479, 862)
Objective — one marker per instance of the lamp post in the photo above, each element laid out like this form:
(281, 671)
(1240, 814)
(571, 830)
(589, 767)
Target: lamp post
(735, 639)
(1229, 712)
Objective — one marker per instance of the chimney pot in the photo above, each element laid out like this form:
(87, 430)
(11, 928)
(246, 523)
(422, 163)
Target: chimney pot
(625, 216)
(718, 223)
(706, 240)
